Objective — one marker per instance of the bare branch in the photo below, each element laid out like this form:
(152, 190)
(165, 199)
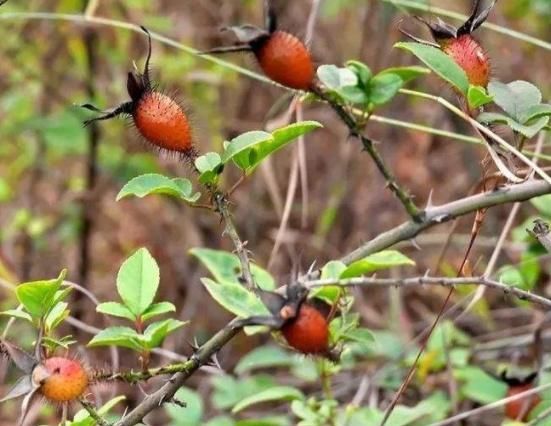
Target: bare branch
(439, 214)
(442, 281)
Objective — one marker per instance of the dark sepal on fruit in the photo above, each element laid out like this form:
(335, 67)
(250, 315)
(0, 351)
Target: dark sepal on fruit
(442, 31)
(137, 84)
(476, 19)
(517, 381)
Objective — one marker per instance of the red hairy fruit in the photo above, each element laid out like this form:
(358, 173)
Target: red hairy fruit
(308, 332)
(469, 55)
(286, 60)
(158, 117)
(520, 408)
(162, 122)
(61, 379)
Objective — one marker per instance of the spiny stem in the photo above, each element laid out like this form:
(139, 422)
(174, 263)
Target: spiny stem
(93, 413)
(370, 148)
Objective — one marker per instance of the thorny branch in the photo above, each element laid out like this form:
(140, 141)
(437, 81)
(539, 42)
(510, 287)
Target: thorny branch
(442, 281)
(221, 203)
(93, 413)
(369, 147)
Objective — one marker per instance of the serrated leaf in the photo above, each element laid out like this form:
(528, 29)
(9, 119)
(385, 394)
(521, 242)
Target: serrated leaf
(117, 336)
(536, 112)
(115, 309)
(527, 130)
(158, 309)
(477, 96)
(440, 63)
(152, 183)
(382, 260)
(277, 393)
(155, 333)
(515, 98)
(138, 281)
(225, 266)
(383, 87)
(38, 297)
(235, 298)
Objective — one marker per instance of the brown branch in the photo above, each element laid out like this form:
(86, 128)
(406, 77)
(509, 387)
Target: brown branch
(369, 146)
(442, 281)
(166, 392)
(221, 203)
(541, 232)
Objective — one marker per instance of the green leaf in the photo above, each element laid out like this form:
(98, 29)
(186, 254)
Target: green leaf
(83, 418)
(535, 112)
(16, 313)
(228, 390)
(235, 298)
(406, 73)
(56, 316)
(359, 335)
(477, 96)
(117, 336)
(382, 260)
(382, 88)
(225, 266)
(330, 293)
(515, 98)
(511, 276)
(361, 70)
(155, 333)
(209, 166)
(264, 357)
(115, 309)
(191, 414)
(138, 280)
(277, 393)
(250, 149)
(479, 386)
(39, 297)
(158, 184)
(543, 204)
(440, 63)
(239, 149)
(335, 78)
(527, 130)
(158, 309)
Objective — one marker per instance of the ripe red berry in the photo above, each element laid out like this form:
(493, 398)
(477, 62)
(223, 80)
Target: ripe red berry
(61, 379)
(286, 60)
(308, 332)
(281, 55)
(158, 117)
(459, 44)
(163, 122)
(469, 55)
(520, 408)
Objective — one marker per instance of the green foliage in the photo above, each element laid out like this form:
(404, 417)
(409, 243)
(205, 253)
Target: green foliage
(375, 262)
(248, 150)
(83, 418)
(151, 183)
(235, 298)
(355, 84)
(191, 414)
(276, 393)
(477, 96)
(137, 285)
(521, 102)
(444, 66)
(225, 267)
(209, 167)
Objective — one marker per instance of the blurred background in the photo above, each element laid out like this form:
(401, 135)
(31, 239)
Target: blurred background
(58, 180)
